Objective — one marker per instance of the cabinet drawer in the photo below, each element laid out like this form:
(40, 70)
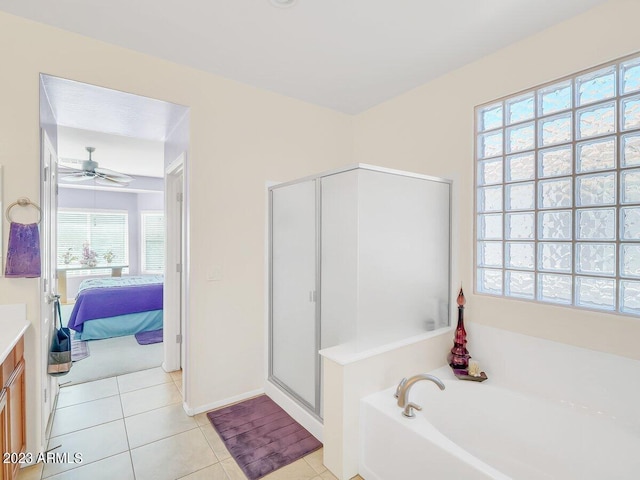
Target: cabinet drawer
(5, 468)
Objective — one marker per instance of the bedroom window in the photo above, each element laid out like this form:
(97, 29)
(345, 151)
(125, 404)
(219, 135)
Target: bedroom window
(104, 231)
(558, 191)
(152, 242)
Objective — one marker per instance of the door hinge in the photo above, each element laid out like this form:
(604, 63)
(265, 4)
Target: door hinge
(45, 395)
(178, 338)
(178, 268)
(46, 174)
(45, 284)
(179, 196)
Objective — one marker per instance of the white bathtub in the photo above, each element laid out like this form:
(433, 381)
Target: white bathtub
(479, 430)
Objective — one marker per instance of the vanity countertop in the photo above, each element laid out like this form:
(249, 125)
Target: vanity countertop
(13, 324)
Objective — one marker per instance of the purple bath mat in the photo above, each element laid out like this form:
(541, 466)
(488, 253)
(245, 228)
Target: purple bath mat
(149, 337)
(261, 436)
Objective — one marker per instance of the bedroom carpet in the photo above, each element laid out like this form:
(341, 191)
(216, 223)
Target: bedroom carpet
(261, 436)
(111, 357)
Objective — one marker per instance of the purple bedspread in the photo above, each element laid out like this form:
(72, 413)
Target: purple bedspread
(109, 302)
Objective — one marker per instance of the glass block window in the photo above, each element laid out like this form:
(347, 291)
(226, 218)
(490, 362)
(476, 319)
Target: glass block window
(558, 191)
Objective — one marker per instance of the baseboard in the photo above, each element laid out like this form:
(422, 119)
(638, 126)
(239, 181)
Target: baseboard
(169, 369)
(221, 403)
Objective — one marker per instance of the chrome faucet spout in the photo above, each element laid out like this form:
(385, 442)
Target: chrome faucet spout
(405, 386)
(400, 385)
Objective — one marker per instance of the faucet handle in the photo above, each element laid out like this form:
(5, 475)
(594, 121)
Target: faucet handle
(408, 410)
(399, 387)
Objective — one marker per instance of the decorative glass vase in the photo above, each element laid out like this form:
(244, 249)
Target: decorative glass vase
(459, 359)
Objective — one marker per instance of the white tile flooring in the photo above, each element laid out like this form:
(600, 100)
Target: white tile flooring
(133, 427)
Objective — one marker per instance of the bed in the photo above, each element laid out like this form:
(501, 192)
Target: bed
(117, 306)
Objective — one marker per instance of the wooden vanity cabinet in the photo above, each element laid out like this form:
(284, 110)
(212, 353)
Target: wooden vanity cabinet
(4, 468)
(12, 416)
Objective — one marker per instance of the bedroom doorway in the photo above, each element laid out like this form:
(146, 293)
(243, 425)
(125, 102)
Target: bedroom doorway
(113, 149)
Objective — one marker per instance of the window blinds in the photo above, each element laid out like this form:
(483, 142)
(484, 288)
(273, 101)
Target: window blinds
(152, 242)
(103, 231)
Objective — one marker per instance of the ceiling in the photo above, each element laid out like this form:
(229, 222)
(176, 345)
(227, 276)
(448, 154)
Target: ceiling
(89, 107)
(347, 55)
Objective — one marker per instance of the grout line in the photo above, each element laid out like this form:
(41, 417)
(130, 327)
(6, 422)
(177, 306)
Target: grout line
(80, 465)
(210, 446)
(126, 432)
(80, 430)
(42, 477)
(86, 401)
(154, 409)
(179, 402)
(146, 386)
(204, 468)
(165, 437)
(85, 428)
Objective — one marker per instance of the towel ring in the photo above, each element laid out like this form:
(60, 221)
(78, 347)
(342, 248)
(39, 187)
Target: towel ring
(22, 202)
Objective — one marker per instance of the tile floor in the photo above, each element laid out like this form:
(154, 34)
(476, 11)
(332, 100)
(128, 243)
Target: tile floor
(133, 427)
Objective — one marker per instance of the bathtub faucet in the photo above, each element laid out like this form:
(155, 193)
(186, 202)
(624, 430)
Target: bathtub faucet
(403, 392)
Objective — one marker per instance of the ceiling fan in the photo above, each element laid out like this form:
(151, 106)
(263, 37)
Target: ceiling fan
(91, 171)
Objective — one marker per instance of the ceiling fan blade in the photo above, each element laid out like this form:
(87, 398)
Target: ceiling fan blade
(100, 180)
(113, 174)
(110, 180)
(75, 177)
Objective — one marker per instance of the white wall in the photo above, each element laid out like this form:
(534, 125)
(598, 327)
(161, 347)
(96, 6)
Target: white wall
(430, 130)
(240, 137)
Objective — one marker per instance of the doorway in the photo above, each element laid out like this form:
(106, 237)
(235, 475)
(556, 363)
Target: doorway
(110, 230)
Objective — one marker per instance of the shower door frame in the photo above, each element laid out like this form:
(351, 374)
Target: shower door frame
(316, 410)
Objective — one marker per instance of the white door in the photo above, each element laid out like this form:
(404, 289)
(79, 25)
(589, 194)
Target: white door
(49, 264)
(175, 264)
(180, 248)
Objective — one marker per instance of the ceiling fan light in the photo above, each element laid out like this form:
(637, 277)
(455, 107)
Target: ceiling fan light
(89, 165)
(283, 3)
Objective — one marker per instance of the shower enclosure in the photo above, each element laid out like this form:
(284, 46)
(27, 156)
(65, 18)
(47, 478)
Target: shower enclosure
(358, 257)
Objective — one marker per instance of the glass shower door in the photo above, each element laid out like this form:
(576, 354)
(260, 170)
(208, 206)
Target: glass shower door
(294, 346)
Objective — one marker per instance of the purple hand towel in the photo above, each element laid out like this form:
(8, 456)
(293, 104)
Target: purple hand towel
(23, 252)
